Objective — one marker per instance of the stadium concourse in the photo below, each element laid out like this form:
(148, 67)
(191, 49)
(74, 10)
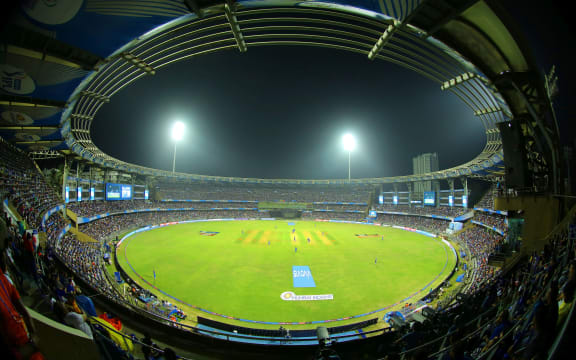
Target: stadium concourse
(530, 300)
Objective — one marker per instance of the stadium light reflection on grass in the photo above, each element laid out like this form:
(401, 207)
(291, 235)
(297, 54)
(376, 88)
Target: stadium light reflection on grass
(177, 135)
(349, 143)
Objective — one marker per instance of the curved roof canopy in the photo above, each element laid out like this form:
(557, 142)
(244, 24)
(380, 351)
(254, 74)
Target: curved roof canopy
(60, 64)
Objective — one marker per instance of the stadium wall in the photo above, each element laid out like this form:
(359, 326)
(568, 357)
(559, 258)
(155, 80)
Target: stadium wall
(541, 214)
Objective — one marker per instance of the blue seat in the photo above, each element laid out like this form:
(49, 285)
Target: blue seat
(118, 277)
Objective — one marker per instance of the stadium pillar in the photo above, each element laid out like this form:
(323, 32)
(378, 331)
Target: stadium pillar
(451, 184)
(65, 176)
(464, 181)
(436, 187)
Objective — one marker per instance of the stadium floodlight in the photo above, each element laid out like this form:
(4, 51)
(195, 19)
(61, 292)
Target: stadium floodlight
(349, 143)
(177, 135)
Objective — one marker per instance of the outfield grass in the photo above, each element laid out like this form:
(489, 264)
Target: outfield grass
(242, 270)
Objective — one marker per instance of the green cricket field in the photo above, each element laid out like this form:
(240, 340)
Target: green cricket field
(240, 269)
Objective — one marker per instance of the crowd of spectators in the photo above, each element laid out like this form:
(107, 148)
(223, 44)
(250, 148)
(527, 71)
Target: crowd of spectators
(91, 208)
(433, 225)
(340, 208)
(53, 227)
(57, 287)
(102, 228)
(480, 243)
(487, 201)
(493, 220)
(97, 207)
(513, 315)
(341, 216)
(265, 192)
(23, 185)
(85, 260)
(423, 210)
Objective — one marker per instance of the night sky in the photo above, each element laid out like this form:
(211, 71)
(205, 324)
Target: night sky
(280, 112)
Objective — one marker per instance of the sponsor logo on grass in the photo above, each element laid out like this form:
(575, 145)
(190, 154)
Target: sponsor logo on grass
(208, 233)
(290, 296)
(367, 235)
(302, 276)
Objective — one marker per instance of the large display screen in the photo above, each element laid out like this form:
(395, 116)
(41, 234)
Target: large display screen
(79, 194)
(381, 199)
(118, 191)
(429, 198)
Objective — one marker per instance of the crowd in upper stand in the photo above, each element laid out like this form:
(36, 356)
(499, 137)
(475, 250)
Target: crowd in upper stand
(436, 226)
(487, 201)
(339, 207)
(91, 208)
(97, 207)
(263, 192)
(323, 215)
(424, 210)
(24, 186)
(494, 220)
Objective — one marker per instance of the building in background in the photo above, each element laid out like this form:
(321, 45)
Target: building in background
(421, 164)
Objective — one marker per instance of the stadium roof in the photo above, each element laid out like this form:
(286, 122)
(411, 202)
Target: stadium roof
(60, 65)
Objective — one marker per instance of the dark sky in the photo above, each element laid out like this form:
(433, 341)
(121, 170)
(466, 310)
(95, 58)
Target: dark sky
(280, 112)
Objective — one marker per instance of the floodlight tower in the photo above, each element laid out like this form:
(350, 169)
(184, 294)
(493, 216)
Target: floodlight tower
(349, 143)
(177, 135)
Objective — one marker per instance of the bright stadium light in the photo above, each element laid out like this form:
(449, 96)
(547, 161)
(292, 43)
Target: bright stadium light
(177, 135)
(349, 143)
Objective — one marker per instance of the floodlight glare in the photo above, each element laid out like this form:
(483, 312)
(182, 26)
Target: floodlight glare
(349, 142)
(178, 131)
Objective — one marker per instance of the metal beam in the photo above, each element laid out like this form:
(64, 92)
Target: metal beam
(96, 96)
(12, 100)
(139, 63)
(48, 154)
(38, 142)
(234, 26)
(486, 111)
(36, 128)
(384, 38)
(457, 80)
(26, 42)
